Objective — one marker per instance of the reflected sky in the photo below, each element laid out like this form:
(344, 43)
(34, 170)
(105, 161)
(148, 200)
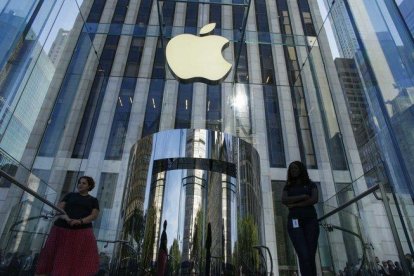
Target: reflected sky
(328, 29)
(64, 20)
(208, 196)
(165, 144)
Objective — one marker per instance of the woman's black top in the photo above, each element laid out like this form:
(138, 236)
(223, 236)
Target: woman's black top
(77, 207)
(299, 189)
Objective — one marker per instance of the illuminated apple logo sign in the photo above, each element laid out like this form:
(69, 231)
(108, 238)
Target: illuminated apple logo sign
(193, 58)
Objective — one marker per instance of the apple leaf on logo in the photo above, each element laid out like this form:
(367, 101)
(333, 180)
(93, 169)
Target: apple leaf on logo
(207, 29)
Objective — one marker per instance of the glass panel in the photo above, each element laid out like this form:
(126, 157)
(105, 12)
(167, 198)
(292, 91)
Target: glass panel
(406, 8)
(355, 232)
(105, 195)
(90, 118)
(184, 106)
(37, 35)
(274, 128)
(286, 253)
(368, 37)
(300, 109)
(115, 146)
(153, 107)
(191, 18)
(25, 226)
(213, 108)
(207, 220)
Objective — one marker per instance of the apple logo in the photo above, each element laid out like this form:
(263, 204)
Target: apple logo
(193, 58)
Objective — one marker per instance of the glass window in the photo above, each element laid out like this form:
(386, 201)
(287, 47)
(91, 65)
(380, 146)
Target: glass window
(155, 94)
(90, 117)
(261, 16)
(191, 17)
(144, 13)
(43, 175)
(96, 11)
(158, 69)
(306, 18)
(274, 128)
(120, 12)
(168, 10)
(213, 108)
(134, 57)
(153, 108)
(238, 14)
(119, 127)
(266, 62)
(184, 106)
(215, 16)
(242, 73)
(96, 95)
(105, 196)
(108, 54)
(64, 101)
(303, 131)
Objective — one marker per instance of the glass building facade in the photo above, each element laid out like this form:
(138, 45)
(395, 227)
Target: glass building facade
(327, 83)
(407, 10)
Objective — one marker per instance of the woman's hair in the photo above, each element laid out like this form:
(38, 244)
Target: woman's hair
(303, 173)
(90, 181)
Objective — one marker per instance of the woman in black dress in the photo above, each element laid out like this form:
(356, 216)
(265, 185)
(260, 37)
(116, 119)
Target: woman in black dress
(299, 195)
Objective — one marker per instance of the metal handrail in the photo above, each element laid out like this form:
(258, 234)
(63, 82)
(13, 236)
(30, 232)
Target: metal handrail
(30, 191)
(43, 216)
(258, 247)
(331, 227)
(123, 242)
(346, 204)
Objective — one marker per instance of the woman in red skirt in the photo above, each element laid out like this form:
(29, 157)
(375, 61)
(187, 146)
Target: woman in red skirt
(71, 246)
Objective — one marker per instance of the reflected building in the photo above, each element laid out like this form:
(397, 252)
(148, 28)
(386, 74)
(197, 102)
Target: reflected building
(196, 153)
(58, 46)
(25, 76)
(384, 62)
(357, 105)
(407, 10)
(346, 39)
(21, 101)
(211, 194)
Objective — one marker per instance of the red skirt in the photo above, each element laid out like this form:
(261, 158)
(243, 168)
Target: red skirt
(69, 252)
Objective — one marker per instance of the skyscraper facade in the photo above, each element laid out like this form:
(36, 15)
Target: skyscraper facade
(58, 46)
(383, 59)
(112, 87)
(407, 10)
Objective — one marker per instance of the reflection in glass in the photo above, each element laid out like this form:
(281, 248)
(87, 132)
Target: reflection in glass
(115, 146)
(155, 93)
(300, 108)
(184, 106)
(194, 188)
(213, 108)
(65, 97)
(273, 127)
(106, 194)
(377, 76)
(286, 253)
